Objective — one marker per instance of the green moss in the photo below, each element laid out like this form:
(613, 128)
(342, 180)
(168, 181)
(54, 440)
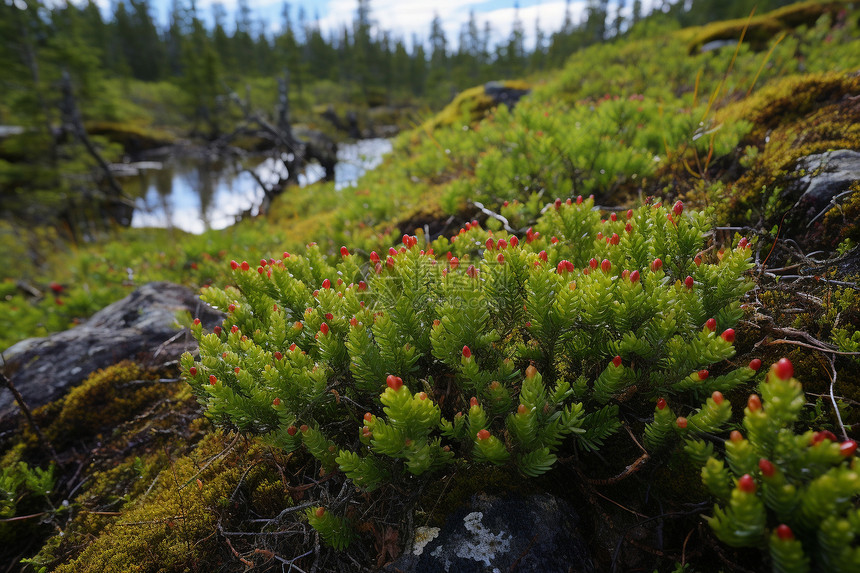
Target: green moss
(103, 401)
(760, 29)
(470, 106)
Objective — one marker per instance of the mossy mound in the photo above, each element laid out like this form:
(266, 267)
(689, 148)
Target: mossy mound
(792, 119)
(470, 106)
(758, 30)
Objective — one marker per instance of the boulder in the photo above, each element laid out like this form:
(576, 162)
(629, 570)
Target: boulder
(139, 327)
(535, 533)
(503, 94)
(825, 176)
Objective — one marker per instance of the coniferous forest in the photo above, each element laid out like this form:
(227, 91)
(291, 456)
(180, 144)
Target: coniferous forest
(596, 309)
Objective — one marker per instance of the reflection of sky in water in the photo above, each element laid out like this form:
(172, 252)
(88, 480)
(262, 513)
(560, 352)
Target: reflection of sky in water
(196, 194)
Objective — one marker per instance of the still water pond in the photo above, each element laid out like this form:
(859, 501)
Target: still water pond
(198, 193)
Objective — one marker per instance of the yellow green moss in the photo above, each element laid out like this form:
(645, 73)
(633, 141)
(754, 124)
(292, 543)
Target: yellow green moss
(104, 400)
(760, 29)
(470, 106)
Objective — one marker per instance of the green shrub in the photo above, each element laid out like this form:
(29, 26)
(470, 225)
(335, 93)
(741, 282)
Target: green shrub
(496, 353)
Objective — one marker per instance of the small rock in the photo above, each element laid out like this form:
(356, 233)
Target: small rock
(138, 326)
(534, 533)
(826, 175)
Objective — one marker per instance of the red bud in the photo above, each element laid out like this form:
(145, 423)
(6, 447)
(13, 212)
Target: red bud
(754, 403)
(783, 369)
(678, 208)
(324, 328)
(747, 484)
(344, 252)
(467, 353)
(394, 382)
(681, 422)
(234, 265)
(736, 436)
(616, 361)
(661, 403)
(711, 324)
(593, 263)
(656, 265)
(784, 532)
(767, 468)
(193, 371)
(634, 277)
(212, 379)
(688, 282)
(847, 448)
(703, 374)
(245, 265)
(483, 435)
(755, 364)
(728, 335)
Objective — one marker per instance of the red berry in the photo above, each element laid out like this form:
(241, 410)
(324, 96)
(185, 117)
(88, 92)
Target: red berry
(681, 422)
(616, 361)
(557, 204)
(502, 244)
(634, 277)
(717, 396)
(389, 262)
(628, 228)
(473, 402)
(514, 241)
(196, 321)
(614, 239)
(698, 261)
(217, 331)
(613, 217)
(784, 532)
(661, 403)
(678, 208)
(326, 284)
(245, 265)
(234, 329)
(656, 265)
(293, 347)
(394, 382)
(605, 265)
(755, 364)
(783, 369)
(767, 468)
(276, 402)
(847, 448)
(56, 287)
(234, 265)
(629, 213)
(500, 258)
(754, 403)
(353, 322)
(472, 272)
(467, 353)
(579, 200)
(422, 395)
(329, 316)
(593, 263)
(324, 328)
(743, 243)
(231, 307)
(490, 244)
(344, 252)
(483, 435)
(454, 262)
(212, 379)
(702, 374)
(542, 256)
(736, 436)
(278, 355)
(362, 286)
(728, 335)
(303, 428)
(374, 257)
(368, 416)
(554, 240)
(392, 251)
(193, 371)
(711, 324)
(688, 282)
(320, 512)
(747, 484)
(292, 430)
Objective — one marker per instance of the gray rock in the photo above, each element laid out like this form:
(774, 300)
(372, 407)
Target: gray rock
(826, 175)
(140, 327)
(504, 95)
(535, 533)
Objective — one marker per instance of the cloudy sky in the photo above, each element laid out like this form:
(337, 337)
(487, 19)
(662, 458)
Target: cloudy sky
(405, 17)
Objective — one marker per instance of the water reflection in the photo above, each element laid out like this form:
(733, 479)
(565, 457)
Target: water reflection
(199, 193)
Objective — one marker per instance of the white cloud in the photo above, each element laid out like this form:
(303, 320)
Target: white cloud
(403, 18)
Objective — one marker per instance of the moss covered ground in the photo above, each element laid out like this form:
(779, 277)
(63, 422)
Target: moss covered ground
(144, 485)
